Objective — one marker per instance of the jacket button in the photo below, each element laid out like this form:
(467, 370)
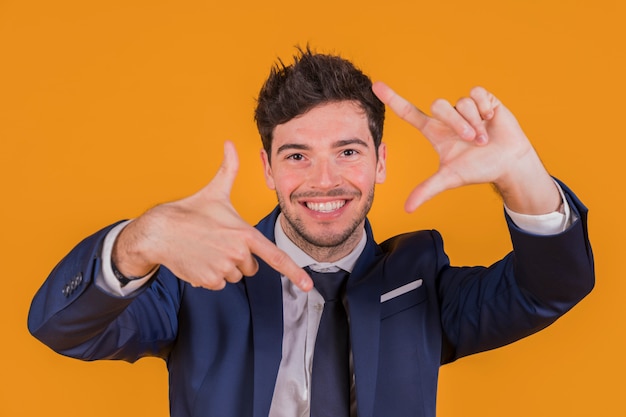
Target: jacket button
(69, 287)
(76, 281)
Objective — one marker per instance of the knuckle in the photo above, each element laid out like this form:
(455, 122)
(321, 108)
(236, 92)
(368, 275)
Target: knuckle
(224, 268)
(217, 285)
(239, 254)
(234, 276)
(278, 258)
(213, 283)
(405, 110)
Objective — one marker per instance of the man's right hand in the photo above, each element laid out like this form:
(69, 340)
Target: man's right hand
(202, 239)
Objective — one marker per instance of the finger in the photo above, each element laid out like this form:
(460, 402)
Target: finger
(468, 109)
(485, 101)
(400, 106)
(233, 275)
(248, 265)
(444, 112)
(426, 190)
(213, 283)
(280, 261)
(224, 179)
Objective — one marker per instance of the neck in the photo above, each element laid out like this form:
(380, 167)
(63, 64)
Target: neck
(324, 253)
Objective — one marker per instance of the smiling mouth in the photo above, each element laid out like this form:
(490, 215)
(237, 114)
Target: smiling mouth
(326, 207)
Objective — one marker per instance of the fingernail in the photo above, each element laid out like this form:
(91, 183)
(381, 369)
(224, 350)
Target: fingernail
(481, 139)
(306, 284)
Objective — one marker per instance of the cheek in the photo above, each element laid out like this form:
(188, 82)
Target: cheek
(285, 185)
(362, 180)
(283, 180)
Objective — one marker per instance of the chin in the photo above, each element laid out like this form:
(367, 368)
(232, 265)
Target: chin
(326, 238)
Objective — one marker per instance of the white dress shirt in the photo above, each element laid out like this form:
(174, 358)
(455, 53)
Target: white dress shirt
(302, 312)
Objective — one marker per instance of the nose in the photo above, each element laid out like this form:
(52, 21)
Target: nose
(325, 174)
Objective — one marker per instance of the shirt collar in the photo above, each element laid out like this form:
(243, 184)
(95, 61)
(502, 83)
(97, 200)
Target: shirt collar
(302, 259)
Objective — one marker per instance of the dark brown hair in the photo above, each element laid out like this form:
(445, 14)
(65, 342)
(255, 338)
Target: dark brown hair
(314, 79)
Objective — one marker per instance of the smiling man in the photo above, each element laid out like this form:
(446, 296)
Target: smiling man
(233, 309)
(324, 165)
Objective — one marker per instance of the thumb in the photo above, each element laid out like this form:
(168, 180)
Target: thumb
(426, 190)
(225, 176)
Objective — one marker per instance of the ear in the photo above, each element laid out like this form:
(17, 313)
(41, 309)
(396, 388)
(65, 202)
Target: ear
(267, 170)
(381, 165)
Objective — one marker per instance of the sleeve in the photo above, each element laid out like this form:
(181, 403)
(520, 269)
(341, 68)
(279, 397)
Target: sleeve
(105, 278)
(543, 278)
(75, 317)
(545, 224)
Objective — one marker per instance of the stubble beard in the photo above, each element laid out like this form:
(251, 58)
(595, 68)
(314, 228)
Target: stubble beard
(325, 246)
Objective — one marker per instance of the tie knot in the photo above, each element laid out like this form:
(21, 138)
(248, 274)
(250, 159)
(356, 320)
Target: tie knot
(329, 284)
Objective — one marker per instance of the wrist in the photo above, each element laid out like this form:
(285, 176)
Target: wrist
(129, 259)
(123, 279)
(530, 190)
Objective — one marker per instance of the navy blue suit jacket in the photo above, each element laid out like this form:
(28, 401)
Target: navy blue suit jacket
(223, 348)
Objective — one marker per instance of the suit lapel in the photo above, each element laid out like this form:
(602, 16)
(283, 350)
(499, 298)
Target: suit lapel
(363, 295)
(266, 310)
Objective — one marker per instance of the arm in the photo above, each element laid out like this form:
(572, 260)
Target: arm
(200, 239)
(543, 278)
(75, 317)
(480, 141)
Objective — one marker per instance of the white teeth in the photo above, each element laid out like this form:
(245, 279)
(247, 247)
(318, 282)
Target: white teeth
(326, 207)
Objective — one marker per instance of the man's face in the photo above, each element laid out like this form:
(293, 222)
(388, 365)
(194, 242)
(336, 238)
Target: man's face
(323, 168)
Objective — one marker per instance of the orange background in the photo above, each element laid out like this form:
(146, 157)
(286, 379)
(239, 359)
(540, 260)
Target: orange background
(107, 108)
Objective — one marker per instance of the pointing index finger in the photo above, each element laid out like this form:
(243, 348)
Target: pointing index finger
(280, 261)
(400, 106)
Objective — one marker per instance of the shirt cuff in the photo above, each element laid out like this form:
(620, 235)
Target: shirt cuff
(106, 279)
(545, 224)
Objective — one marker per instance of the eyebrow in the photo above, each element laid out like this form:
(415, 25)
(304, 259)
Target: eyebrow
(292, 146)
(304, 147)
(353, 141)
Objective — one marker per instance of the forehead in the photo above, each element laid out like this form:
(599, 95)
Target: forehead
(325, 124)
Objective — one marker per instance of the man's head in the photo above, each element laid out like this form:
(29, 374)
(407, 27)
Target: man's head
(312, 80)
(321, 126)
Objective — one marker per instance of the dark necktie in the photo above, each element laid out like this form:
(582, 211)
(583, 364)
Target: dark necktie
(330, 376)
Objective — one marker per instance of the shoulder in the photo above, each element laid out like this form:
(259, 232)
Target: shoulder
(414, 253)
(408, 244)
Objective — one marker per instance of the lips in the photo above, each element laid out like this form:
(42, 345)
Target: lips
(326, 207)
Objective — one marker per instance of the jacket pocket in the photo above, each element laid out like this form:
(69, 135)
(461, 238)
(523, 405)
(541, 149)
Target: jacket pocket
(401, 298)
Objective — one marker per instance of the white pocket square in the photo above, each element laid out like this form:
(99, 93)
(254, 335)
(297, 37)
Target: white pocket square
(401, 290)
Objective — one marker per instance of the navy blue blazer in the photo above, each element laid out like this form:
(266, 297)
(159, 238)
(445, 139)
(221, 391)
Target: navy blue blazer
(410, 311)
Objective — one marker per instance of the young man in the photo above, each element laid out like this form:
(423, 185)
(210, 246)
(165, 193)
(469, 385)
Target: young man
(231, 308)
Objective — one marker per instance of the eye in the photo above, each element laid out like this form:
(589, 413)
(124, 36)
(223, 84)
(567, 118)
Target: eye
(349, 152)
(296, 156)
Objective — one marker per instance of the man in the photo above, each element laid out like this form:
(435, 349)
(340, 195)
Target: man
(231, 308)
